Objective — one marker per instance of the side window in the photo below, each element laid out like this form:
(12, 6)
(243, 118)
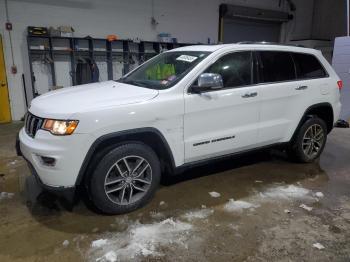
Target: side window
(235, 69)
(308, 66)
(276, 67)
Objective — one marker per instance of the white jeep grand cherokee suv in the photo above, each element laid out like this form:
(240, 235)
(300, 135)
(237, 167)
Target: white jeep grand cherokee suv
(183, 107)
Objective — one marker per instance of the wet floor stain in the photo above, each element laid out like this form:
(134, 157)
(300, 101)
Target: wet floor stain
(256, 217)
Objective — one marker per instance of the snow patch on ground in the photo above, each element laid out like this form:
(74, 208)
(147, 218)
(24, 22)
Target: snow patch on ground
(156, 215)
(319, 194)
(285, 192)
(110, 256)
(6, 195)
(234, 226)
(318, 246)
(307, 208)
(142, 240)
(214, 194)
(99, 243)
(238, 205)
(12, 163)
(198, 214)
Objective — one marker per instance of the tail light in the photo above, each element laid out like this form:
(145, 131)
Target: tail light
(340, 84)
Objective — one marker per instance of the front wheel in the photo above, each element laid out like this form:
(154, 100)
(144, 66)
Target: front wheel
(309, 141)
(125, 179)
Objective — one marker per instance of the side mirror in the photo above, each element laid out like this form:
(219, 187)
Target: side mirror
(208, 81)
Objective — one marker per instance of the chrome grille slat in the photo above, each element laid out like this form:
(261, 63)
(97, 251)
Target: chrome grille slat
(27, 122)
(40, 122)
(32, 124)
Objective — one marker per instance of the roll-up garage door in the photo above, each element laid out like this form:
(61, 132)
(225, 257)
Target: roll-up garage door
(239, 24)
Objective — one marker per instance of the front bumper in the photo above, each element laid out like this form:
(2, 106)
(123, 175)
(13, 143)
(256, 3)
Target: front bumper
(67, 193)
(67, 151)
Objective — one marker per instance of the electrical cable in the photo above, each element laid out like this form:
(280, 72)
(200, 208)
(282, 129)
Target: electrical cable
(10, 36)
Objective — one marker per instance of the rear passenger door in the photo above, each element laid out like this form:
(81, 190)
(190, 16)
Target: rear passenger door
(280, 97)
(289, 82)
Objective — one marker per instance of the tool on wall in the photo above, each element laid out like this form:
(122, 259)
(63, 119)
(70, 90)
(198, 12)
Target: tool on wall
(46, 59)
(87, 71)
(37, 31)
(111, 38)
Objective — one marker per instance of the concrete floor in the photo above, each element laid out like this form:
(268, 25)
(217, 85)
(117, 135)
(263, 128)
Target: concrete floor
(264, 221)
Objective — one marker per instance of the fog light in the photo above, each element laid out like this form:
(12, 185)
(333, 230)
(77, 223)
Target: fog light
(48, 161)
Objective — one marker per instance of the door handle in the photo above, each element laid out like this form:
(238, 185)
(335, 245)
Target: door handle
(3, 84)
(248, 95)
(301, 88)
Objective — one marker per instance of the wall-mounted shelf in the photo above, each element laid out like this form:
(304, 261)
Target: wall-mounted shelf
(51, 50)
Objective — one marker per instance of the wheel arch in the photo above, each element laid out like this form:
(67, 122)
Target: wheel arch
(321, 110)
(152, 137)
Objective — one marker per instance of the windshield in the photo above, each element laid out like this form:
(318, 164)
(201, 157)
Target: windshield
(165, 70)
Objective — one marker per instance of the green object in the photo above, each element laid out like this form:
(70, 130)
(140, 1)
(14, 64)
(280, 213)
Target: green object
(160, 72)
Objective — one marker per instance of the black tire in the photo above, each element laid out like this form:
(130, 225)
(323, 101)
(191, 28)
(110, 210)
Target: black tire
(97, 182)
(296, 149)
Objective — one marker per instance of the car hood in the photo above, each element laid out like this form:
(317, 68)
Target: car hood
(63, 103)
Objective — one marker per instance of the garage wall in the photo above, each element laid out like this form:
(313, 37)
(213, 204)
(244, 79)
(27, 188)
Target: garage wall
(188, 20)
(329, 19)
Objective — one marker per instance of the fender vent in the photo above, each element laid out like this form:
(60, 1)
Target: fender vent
(32, 124)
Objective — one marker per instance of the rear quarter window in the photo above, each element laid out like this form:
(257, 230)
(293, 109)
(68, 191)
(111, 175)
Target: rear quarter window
(308, 66)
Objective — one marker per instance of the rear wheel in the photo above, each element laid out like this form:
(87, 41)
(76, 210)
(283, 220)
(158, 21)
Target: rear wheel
(309, 141)
(125, 179)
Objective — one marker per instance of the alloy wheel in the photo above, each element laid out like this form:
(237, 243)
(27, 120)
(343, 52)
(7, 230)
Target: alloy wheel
(313, 141)
(128, 180)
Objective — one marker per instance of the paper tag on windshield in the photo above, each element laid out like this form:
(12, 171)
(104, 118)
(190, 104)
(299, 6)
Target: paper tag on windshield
(187, 58)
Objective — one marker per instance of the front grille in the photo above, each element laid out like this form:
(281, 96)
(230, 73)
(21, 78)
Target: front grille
(32, 124)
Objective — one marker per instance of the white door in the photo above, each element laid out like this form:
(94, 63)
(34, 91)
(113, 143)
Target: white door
(219, 122)
(290, 82)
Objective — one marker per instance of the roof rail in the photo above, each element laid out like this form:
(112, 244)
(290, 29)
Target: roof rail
(266, 43)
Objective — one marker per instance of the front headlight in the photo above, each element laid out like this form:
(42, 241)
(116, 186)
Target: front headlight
(60, 127)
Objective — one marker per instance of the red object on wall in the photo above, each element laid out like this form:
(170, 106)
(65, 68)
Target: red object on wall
(14, 69)
(8, 26)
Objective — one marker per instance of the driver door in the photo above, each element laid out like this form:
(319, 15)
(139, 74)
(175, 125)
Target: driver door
(223, 121)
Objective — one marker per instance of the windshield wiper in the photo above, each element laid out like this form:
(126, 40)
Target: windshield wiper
(120, 80)
(130, 82)
(141, 83)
